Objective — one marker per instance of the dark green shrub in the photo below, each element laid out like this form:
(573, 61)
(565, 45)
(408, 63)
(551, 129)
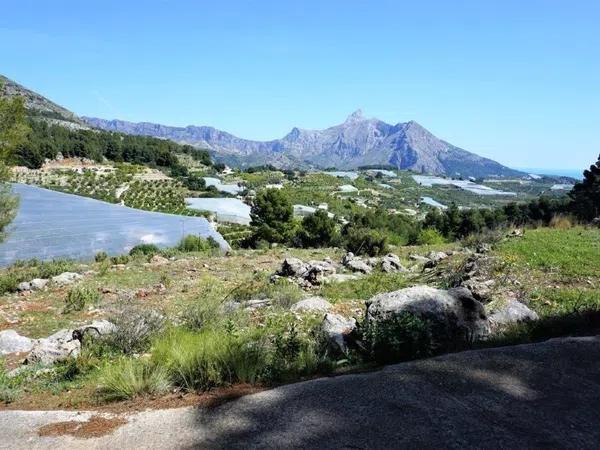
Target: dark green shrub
(399, 338)
(192, 243)
(317, 230)
(272, 215)
(363, 241)
(80, 296)
(100, 257)
(144, 249)
(121, 259)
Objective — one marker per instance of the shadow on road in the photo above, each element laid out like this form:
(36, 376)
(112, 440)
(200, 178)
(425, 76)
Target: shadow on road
(527, 396)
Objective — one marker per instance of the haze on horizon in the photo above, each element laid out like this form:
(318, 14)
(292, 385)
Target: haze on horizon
(513, 81)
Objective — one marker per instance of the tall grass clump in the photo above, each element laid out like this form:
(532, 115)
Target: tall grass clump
(134, 330)
(280, 350)
(130, 378)
(210, 358)
(561, 222)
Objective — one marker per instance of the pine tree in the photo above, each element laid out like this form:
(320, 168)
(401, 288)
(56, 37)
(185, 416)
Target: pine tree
(13, 132)
(585, 195)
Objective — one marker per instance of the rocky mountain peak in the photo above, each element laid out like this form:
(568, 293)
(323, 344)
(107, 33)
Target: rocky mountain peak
(356, 116)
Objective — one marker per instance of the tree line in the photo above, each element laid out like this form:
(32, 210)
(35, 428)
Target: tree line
(46, 141)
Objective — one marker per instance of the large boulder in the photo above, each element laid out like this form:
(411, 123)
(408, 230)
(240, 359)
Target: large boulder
(336, 329)
(451, 318)
(358, 265)
(293, 267)
(419, 259)
(66, 278)
(434, 259)
(13, 342)
(158, 260)
(94, 330)
(58, 347)
(38, 283)
(511, 312)
(311, 304)
(391, 263)
(339, 278)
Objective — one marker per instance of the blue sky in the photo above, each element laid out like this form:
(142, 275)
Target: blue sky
(518, 81)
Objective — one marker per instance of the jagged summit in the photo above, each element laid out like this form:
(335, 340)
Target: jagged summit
(356, 142)
(356, 116)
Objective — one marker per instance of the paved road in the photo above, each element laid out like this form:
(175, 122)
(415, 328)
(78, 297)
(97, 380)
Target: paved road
(528, 396)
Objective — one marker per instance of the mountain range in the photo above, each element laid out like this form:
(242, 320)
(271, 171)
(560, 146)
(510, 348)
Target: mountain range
(358, 142)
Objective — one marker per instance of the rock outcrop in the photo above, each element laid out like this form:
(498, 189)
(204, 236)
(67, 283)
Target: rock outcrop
(56, 348)
(13, 342)
(311, 304)
(511, 312)
(454, 317)
(66, 278)
(336, 329)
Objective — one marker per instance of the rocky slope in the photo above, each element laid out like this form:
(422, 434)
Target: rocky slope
(39, 106)
(359, 141)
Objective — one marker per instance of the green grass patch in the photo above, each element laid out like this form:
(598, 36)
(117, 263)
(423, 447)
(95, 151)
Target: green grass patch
(365, 287)
(567, 253)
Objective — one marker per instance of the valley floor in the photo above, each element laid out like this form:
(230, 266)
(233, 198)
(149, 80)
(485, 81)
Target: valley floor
(527, 396)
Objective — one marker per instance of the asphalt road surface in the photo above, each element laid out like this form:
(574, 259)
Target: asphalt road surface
(544, 395)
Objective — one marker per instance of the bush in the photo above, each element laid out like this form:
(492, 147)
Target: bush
(561, 223)
(398, 338)
(28, 270)
(121, 259)
(430, 236)
(272, 215)
(101, 257)
(317, 230)
(362, 241)
(80, 296)
(144, 249)
(134, 330)
(9, 387)
(192, 243)
(207, 309)
(130, 378)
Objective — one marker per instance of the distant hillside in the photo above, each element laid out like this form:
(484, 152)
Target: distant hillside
(359, 141)
(40, 106)
(56, 131)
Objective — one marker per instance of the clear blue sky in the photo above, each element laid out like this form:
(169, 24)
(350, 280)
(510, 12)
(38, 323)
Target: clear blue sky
(518, 81)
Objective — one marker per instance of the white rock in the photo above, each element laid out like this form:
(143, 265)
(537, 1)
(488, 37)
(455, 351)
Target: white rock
(13, 342)
(38, 283)
(512, 312)
(312, 304)
(66, 278)
(24, 286)
(357, 265)
(58, 347)
(335, 328)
